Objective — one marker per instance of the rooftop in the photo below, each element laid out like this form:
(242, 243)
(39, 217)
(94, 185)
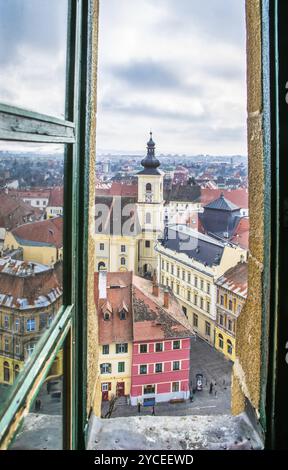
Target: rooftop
(45, 232)
(235, 279)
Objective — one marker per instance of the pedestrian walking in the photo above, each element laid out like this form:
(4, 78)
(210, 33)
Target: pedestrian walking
(211, 388)
(153, 410)
(139, 406)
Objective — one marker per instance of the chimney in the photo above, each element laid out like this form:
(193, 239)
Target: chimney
(102, 284)
(166, 298)
(155, 290)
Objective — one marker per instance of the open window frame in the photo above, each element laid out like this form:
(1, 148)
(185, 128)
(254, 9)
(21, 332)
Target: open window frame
(69, 330)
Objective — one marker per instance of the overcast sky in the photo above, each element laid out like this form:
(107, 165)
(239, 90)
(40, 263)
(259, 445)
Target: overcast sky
(174, 66)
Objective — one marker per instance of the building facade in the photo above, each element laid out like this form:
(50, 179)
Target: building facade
(188, 264)
(30, 297)
(161, 346)
(113, 298)
(231, 297)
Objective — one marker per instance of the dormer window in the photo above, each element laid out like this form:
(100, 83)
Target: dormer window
(123, 315)
(107, 316)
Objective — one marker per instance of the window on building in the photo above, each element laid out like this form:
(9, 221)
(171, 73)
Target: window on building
(30, 347)
(195, 281)
(177, 289)
(17, 349)
(176, 365)
(148, 218)
(30, 324)
(202, 284)
(158, 347)
(148, 187)
(183, 275)
(195, 299)
(230, 325)
(172, 269)
(123, 314)
(221, 299)
(123, 248)
(195, 320)
(147, 243)
(105, 349)
(189, 278)
(106, 316)
(189, 295)
(230, 305)
(143, 369)
(6, 322)
(208, 288)
(6, 344)
(177, 344)
(101, 246)
(201, 303)
(208, 307)
(207, 328)
(148, 389)
(16, 370)
(6, 371)
(178, 272)
(220, 341)
(105, 368)
(175, 386)
(17, 325)
(121, 348)
(143, 348)
(158, 368)
(121, 367)
(221, 320)
(162, 264)
(184, 310)
(167, 267)
(229, 347)
(123, 261)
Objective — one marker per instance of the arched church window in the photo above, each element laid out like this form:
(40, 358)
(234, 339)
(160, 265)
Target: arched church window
(148, 187)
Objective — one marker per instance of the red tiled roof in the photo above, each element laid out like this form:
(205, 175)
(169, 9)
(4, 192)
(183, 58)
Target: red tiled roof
(117, 296)
(241, 234)
(239, 197)
(56, 197)
(151, 320)
(235, 279)
(48, 231)
(36, 290)
(13, 211)
(118, 189)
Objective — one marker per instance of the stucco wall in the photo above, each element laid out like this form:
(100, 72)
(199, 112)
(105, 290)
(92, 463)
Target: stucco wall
(93, 381)
(247, 367)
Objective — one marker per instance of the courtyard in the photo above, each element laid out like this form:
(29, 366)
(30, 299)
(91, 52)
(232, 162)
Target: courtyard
(216, 369)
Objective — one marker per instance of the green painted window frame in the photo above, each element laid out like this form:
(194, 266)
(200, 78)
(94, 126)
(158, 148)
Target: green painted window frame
(70, 326)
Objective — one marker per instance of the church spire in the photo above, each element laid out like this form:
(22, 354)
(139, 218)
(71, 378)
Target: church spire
(150, 162)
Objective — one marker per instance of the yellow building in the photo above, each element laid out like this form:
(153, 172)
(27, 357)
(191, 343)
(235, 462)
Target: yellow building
(55, 204)
(41, 241)
(231, 296)
(30, 297)
(113, 298)
(189, 263)
(127, 228)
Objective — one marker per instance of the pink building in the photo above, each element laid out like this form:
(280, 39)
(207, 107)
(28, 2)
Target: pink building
(161, 346)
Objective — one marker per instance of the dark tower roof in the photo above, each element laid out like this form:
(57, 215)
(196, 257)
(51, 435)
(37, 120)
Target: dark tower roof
(150, 162)
(222, 204)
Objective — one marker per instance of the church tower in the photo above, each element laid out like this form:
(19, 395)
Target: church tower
(150, 209)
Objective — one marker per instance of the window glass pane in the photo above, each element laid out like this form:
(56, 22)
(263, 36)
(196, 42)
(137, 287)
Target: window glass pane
(31, 252)
(33, 54)
(42, 428)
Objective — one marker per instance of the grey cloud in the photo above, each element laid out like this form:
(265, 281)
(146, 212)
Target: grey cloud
(150, 110)
(147, 74)
(40, 25)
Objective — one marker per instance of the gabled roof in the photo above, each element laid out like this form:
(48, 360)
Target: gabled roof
(202, 248)
(151, 320)
(118, 288)
(45, 232)
(235, 279)
(56, 197)
(239, 196)
(222, 204)
(29, 285)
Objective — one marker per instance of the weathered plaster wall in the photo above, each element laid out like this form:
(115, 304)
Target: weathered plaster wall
(247, 367)
(93, 383)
